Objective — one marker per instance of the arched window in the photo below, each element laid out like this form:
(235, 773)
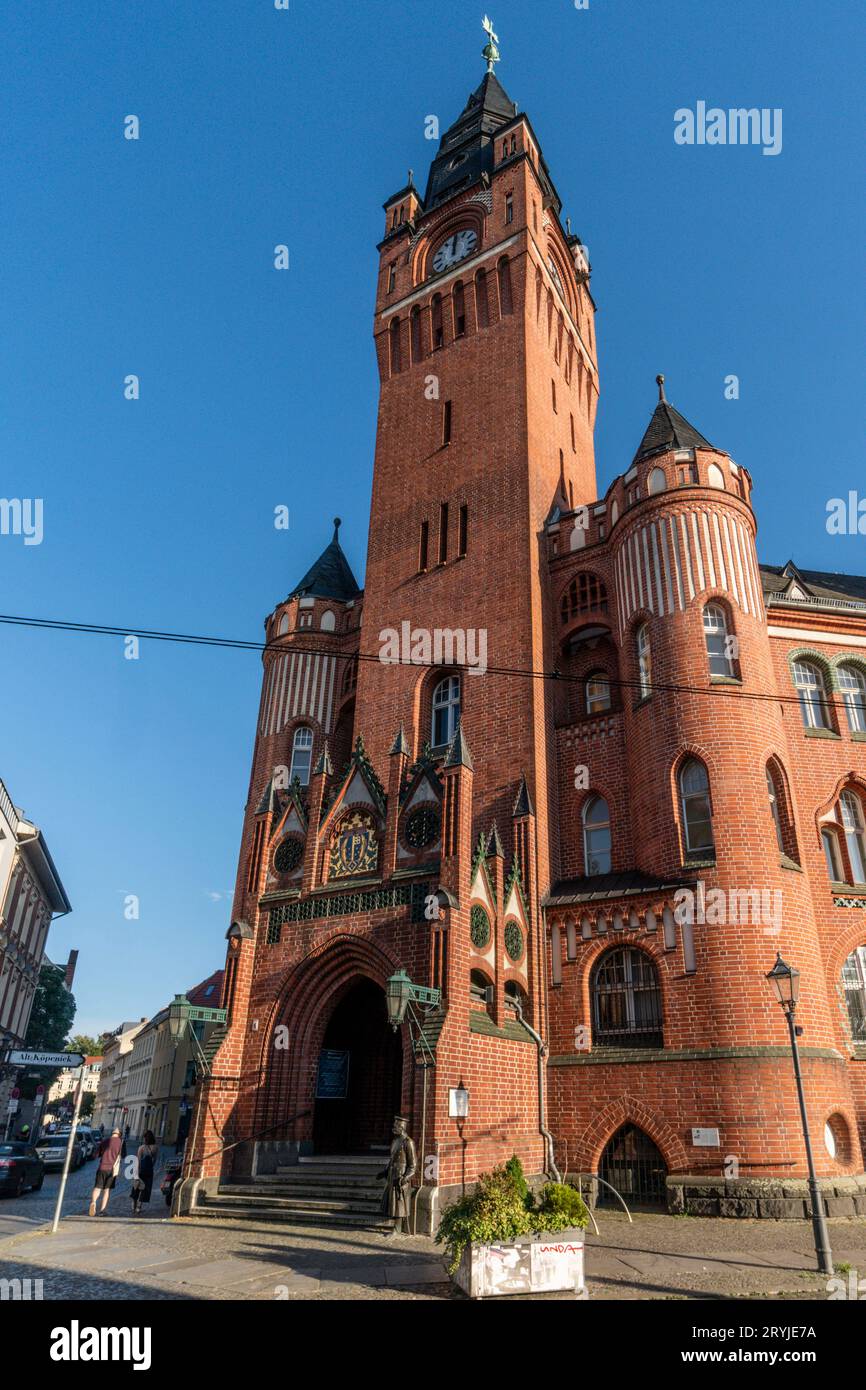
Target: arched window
(597, 692)
(854, 985)
(417, 348)
(614, 512)
(782, 821)
(626, 1000)
(505, 301)
(516, 997)
(852, 684)
(716, 638)
(596, 836)
(459, 310)
(446, 711)
(283, 625)
(480, 988)
(851, 811)
(482, 308)
(695, 805)
(350, 676)
(302, 755)
(395, 346)
(436, 321)
(657, 481)
(585, 594)
(329, 620)
(715, 477)
(644, 660)
(809, 684)
(830, 842)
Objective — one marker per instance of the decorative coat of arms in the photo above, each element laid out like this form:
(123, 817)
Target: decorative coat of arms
(355, 847)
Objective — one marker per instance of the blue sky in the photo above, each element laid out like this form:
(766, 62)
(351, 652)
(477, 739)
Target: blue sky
(258, 388)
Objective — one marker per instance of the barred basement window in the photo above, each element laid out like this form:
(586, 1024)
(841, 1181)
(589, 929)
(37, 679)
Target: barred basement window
(854, 985)
(626, 1000)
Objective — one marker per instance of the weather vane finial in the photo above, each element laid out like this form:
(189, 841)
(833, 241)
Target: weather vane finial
(490, 50)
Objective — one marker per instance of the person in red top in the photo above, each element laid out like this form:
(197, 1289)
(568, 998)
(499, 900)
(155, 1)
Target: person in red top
(112, 1152)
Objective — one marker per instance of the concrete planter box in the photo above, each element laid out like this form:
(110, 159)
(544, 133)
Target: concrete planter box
(530, 1264)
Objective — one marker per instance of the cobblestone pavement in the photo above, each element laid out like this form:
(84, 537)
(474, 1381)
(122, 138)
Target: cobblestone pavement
(153, 1257)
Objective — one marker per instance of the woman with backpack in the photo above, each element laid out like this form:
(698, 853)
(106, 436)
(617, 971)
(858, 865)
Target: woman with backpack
(146, 1158)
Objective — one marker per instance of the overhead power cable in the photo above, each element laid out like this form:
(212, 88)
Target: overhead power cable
(195, 639)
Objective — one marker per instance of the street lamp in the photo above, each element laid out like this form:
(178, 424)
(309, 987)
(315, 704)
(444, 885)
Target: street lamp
(785, 981)
(181, 1015)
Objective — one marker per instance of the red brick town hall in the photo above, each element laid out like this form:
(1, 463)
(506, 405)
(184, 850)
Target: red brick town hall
(566, 774)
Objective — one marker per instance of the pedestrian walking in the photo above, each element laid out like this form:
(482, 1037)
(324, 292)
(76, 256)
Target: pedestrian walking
(112, 1152)
(146, 1156)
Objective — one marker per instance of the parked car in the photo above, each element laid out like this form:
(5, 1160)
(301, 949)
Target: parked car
(172, 1173)
(89, 1139)
(52, 1150)
(20, 1168)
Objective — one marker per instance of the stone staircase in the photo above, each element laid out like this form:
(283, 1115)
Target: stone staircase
(339, 1190)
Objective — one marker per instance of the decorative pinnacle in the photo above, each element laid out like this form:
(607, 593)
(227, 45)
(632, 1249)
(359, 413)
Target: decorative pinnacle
(490, 50)
(661, 385)
(337, 524)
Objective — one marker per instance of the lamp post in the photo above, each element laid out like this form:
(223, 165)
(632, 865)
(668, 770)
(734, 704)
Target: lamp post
(785, 981)
(400, 996)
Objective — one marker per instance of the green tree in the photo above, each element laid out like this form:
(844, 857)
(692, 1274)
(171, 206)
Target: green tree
(50, 1020)
(87, 1046)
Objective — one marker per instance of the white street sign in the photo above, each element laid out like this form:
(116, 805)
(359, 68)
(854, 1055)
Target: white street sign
(65, 1060)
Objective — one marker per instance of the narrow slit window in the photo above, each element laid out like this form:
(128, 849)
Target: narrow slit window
(509, 208)
(463, 530)
(443, 533)
(459, 310)
(423, 545)
(553, 395)
(505, 300)
(482, 310)
(392, 276)
(395, 346)
(436, 321)
(573, 445)
(417, 351)
(446, 423)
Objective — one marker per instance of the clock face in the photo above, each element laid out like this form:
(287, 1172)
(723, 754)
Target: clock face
(455, 249)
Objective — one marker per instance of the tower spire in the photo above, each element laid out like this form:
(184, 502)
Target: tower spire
(661, 385)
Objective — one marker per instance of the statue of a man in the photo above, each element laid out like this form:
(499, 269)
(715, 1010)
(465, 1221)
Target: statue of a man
(399, 1173)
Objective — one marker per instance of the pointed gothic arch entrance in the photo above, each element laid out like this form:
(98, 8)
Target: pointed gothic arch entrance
(359, 1075)
(633, 1164)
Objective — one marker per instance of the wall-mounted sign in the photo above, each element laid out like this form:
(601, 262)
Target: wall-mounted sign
(45, 1059)
(458, 1102)
(705, 1138)
(332, 1081)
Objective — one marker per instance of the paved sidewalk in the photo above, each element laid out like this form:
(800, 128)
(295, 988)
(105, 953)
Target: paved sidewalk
(658, 1257)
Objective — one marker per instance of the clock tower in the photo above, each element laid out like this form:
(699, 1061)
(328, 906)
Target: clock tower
(489, 384)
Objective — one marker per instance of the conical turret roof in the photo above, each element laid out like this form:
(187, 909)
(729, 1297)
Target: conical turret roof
(330, 576)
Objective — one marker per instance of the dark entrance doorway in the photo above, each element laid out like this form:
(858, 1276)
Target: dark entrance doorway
(361, 1065)
(633, 1165)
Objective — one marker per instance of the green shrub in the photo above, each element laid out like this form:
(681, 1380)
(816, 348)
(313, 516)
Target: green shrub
(514, 1169)
(501, 1208)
